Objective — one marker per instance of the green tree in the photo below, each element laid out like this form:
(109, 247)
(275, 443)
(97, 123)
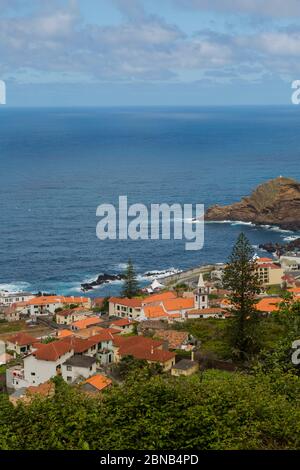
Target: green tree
(242, 280)
(130, 286)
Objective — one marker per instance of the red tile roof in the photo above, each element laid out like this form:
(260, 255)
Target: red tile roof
(141, 347)
(22, 339)
(53, 351)
(122, 322)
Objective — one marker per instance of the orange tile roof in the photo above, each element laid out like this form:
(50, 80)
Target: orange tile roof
(154, 311)
(134, 303)
(180, 303)
(64, 333)
(21, 339)
(56, 299)
(81, 324)
(98, 381)
(264, 260)
(294, 290)
(269, 304)
(159, 297)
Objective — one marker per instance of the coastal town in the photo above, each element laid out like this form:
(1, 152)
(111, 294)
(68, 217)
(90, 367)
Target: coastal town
(84, 340)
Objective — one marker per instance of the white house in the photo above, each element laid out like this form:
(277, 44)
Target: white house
(77, 367)
(125, 308)
(48, 304)
(46, 361)
(9, 298)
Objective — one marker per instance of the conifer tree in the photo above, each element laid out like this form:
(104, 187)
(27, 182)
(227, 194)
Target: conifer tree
(130, 286)
(242, 280)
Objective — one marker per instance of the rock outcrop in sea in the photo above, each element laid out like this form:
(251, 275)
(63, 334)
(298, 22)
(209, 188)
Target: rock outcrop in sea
(101, 279)
(276, 202)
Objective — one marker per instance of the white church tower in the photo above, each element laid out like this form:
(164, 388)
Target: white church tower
(201, 294)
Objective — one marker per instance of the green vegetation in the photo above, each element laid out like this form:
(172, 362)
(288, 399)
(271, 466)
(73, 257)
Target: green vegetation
(214, 410)
(243, 282)
(48, 340)
(130, 287)
(275, 290)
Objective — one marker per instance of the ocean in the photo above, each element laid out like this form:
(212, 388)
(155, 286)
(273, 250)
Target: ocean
(58, 165)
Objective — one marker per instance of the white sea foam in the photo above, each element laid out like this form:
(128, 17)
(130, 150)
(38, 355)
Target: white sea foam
(15, 286)
(291, 238)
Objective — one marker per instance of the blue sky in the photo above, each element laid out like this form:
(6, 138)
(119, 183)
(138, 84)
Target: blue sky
(149, 52)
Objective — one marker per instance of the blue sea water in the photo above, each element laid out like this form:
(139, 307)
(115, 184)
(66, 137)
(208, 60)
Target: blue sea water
(58, 165)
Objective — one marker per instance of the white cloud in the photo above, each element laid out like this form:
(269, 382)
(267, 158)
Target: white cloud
(277, 8)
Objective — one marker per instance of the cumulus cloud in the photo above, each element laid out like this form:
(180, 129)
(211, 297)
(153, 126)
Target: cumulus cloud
(55, 41)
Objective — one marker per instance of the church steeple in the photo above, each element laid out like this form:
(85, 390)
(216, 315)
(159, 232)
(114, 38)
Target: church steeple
(201, 294)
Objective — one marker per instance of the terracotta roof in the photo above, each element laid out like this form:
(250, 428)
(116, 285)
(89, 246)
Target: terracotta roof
(269, 304)
(122, 322)
(81, 324)
(52, 351)
(159, 297)
(180, 303)
(134, 303)
(22, 339)
(104, 335)
(154, 311)
(45, 389)
(141, 347)
(268, 265)
(295, 290)
(175, 338)
(98, 381)
(64, 333)
(264, 260)
(71, 311)
(56, 299)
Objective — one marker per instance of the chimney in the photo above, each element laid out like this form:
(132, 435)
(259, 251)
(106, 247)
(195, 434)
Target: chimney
(192, 355)
(152, 350)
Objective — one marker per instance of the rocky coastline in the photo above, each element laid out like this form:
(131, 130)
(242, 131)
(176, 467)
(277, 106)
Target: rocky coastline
(276, 202)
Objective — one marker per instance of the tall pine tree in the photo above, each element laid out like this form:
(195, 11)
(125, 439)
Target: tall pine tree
(130, 286)
(242, 280)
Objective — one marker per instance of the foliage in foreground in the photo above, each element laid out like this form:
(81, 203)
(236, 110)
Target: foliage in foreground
(214, 411)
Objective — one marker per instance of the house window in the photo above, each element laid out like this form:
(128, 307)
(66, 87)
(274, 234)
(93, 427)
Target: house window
(69, 367)
(32, 373)
(69, 379)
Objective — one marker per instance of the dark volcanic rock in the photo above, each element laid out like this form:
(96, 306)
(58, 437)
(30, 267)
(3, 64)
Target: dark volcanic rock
(102, 279)
(281, 249)
(276, 202)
